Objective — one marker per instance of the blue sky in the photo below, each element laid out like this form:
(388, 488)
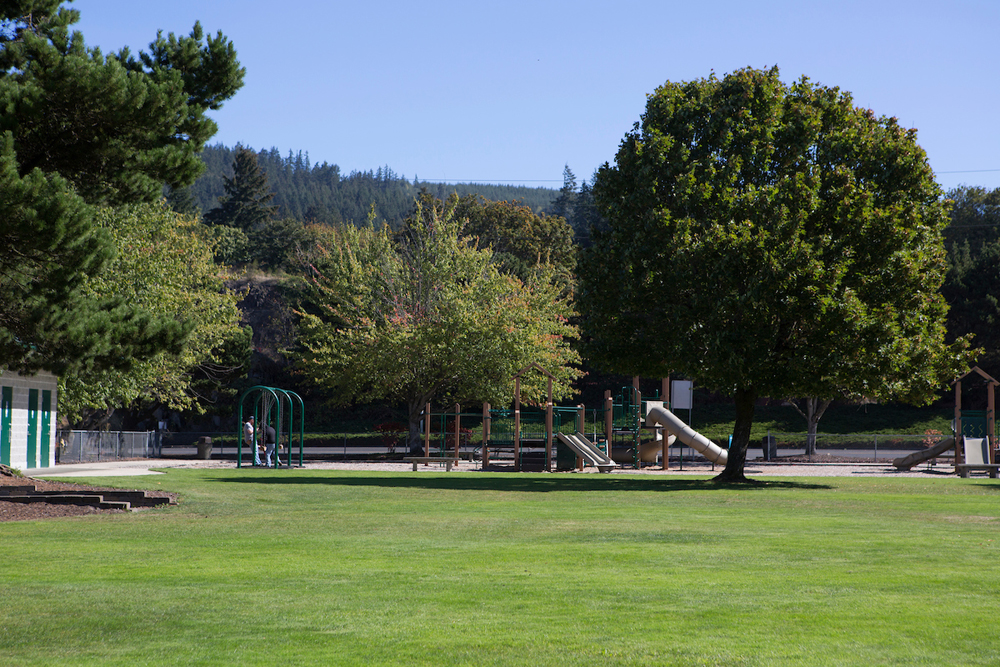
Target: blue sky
(512, 91)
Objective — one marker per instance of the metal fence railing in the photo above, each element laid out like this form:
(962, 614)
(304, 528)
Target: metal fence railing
(875, 446)
(91, 446)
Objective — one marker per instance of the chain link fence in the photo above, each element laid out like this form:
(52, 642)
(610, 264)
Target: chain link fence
(91, 446)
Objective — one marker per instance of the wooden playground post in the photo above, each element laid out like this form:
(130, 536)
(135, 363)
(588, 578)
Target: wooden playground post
(959, 444)
(517, 423)
(665, 395)
(639, 418)
(486, 434)
(991, 422)
(427, 429)
(458, 430)
(609, 407)
(548, 430)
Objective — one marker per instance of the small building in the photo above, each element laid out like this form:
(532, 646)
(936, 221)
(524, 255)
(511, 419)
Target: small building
(28, 419)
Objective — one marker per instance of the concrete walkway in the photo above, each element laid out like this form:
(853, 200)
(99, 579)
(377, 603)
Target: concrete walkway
(120, 468)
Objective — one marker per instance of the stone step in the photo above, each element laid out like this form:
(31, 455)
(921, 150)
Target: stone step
(82, 499)
(136, 499)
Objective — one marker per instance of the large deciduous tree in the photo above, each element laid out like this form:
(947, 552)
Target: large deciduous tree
(519, 238)
(163, 266)
(425, 314)
(769, 240)
(80, 129)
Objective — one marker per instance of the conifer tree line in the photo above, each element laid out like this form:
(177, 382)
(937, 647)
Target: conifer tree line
(320, 193)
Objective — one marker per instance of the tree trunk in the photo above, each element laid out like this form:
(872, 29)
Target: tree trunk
(733, 474)
(814, 409)
(811, 437)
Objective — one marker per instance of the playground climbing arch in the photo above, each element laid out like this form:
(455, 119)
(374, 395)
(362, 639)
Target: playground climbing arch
(275, 407)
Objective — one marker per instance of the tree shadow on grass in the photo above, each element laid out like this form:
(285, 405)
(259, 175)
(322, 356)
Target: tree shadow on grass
(514, 483)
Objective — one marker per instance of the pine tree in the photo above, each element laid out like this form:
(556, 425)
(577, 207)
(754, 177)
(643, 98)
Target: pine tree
(563, 205)
(245, 205)
(585, 215)
(182, 201)
(80, 129)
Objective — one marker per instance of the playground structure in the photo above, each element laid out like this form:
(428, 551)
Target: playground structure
(274, 407)
(974, 439)
(534, 438)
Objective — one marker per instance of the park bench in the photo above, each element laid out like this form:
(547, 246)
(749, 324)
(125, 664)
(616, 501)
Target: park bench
(448, 461)
(977, 457)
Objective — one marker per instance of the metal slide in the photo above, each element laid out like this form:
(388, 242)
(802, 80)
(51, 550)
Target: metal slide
(910, 460)
(696, 441)
(586, 450)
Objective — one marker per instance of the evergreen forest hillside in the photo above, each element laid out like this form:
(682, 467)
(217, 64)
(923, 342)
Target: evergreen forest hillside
(320, 193)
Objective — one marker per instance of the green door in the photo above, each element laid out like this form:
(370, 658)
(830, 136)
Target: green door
(6, 399)
(32, 428)
(46, 440)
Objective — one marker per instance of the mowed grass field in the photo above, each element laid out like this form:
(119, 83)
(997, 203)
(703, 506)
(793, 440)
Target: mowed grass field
(320, 567)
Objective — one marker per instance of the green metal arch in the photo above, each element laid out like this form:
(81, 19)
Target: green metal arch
(281, 397)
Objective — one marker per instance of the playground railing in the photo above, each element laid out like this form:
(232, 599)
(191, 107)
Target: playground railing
(92, 446)
(874, 446)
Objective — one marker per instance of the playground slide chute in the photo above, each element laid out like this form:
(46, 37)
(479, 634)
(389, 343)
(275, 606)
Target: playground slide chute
(907, 462)
(687, 435)
(586, 450)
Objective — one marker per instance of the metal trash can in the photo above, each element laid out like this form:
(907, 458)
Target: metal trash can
(205, 447)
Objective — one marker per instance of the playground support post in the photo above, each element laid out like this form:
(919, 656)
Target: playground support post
(959, 440)
(458, 429)
(548, 430)
(581, 421)
(609, 408)
(665, 396)
(637, 425)
(427, 429)
(517, 423)
(991, 423)
(486, 435)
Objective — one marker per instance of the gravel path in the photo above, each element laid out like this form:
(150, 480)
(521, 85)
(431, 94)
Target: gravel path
(795, 469)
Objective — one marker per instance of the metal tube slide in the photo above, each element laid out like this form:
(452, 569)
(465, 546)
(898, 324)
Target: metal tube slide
(907, 462)
(687, 435)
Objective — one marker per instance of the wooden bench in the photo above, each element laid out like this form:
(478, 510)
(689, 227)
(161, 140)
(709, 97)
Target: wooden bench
(448, 461)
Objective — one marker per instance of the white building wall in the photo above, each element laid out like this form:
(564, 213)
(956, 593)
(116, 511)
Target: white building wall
(19, 420)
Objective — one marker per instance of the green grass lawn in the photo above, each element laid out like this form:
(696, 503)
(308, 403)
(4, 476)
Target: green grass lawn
(339, 568)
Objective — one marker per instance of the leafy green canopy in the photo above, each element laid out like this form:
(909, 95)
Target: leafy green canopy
(426, 315)
(80, 129)
(769, 240)
(164, 267)
(519, 238)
